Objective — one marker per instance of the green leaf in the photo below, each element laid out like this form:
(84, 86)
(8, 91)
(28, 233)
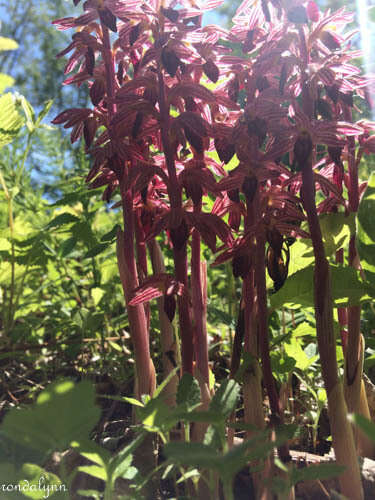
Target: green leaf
(82, 231)
(44, 111)
(336, 230)
(90, 493)
(7, 44)
(294, 350)
(92, 451)
(67, 246)
(209, 416)
(96, 250)
(132, 401)
(94, 471)
(157, 416)
(371, 14)
(62, 219)
(97, 295)
(29, 113)
(366, 227)
(314, 472)
(11, 121)
(36, 483)
(5, 81)
(76, 196)
(122, 467)
(165, 382)
(193, 454)
(63, 412)
(301, 255)
(304, 329)
(188, 392)
(365, 425)
(111, 235)
(5, 245)
(225, 398)
(347, 288)
(9, 475)
(121, 463)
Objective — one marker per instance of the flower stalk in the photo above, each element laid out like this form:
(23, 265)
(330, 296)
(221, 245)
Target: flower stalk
(180, 247)
(342, 435)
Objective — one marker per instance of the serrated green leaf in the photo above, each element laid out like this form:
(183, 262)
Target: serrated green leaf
(336, 230)
(11, 121)
(157, 416)
(122, 467)
(188, 392)
(36, 482)
(301, 255)
(294, 350)
(298, 290)
(61, 220)
(29, 113)
(63, 412)
(225, 398)
(96, 250)
(111, 235)
(82, 231)
(120, 462)
(67, 246)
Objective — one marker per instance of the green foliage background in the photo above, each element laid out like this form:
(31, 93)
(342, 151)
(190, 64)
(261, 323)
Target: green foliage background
(61, 304)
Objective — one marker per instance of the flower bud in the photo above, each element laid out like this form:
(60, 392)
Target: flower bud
(90, 61)
(211, 71)
(303, 149)
(330, 40)
(195, 140)
(274, 239)
(225, 150)
(277, 269)
(108, 19)
(179, 235)
(170, 14)
(170, 60)
(170, 306)
(97, 91)
(134, 33)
